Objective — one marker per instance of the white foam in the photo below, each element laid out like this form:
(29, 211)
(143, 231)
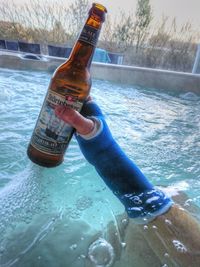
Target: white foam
(173, 190)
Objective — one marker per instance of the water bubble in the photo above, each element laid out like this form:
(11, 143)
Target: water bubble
(123, 244)
(188, 202)
(152, 199)
(73, 247)
(136, 200)
(83, 256)
(84, 203)
(73, 213)
(124, 221)
(101, 253)
(168, 222)
(180, 247)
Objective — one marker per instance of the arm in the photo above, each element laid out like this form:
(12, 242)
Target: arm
(171, 232)
(141, 200)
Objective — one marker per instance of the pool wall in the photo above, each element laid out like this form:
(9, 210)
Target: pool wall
(145, 77)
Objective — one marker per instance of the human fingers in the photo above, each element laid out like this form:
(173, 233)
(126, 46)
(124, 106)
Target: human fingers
(75, 119)
(89, 98)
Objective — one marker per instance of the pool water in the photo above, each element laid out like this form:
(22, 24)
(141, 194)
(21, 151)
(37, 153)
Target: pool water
(60, 216)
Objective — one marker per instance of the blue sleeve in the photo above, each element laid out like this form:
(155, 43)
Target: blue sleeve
(122, 176)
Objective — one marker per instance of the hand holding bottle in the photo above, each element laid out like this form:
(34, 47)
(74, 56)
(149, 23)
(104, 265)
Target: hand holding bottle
(82, 124)
(70, 86)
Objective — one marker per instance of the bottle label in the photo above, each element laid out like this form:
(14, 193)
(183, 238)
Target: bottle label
(89, 35)
(51, 134)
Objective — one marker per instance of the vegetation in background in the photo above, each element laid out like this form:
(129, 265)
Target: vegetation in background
(134, 35)
(143, 17)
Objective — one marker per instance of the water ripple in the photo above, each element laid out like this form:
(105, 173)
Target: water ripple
(158, 130)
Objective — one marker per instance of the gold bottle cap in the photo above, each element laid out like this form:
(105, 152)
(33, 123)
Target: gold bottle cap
(99, 10)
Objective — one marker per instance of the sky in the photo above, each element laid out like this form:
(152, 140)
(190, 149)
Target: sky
(183, 10)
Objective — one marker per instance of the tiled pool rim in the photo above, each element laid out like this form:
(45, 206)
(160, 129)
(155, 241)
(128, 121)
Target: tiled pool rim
(145, 77)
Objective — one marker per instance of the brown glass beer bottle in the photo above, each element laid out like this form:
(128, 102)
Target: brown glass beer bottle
(69, 86)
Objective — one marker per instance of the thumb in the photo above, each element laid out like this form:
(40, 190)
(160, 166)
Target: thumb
(75, 119)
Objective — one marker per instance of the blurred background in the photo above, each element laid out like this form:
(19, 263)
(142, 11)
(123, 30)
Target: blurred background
(146, 33)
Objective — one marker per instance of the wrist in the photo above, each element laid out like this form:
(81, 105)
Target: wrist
(95, 129)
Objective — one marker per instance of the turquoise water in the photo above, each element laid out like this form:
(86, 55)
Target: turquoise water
(53, 217)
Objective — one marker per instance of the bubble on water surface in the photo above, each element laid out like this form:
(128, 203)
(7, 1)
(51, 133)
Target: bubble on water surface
(124, 221)
(73, 213)
(73, 246)
(83, 203)
(168, 222)
(145, 227)
(101, 253)
(180, 247)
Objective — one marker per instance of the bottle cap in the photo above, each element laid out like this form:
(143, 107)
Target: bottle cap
(99, 10)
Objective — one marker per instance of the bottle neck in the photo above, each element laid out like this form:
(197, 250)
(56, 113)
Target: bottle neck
(84, 48)
(82, 54)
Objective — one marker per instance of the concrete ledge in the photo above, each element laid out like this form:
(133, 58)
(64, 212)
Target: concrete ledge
(16, 61)
(149, 78)
(145, 77)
